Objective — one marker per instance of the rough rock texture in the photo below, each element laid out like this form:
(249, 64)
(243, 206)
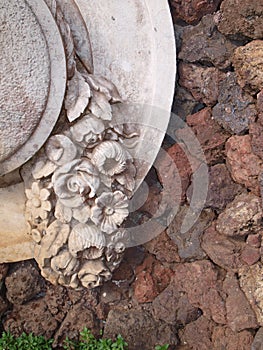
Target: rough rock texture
(248, 63)
(210, 135)
(222, 189)
(240, 315)
(191, 11)
(241, 17)
(200, 280)
(173, 306)
(244, 165)
(188, 243)
(23, 283)
(183, 105)
(203, 43)
(251, 282)
(223, 251)
(258, 340)
(163, 248)
(202, 82)
(3, 271)
(197, 335)
(139, 329)
(3, 306)
(235, 109)
(256, 133)
(241, 217)
(224, 338)
(152, 278)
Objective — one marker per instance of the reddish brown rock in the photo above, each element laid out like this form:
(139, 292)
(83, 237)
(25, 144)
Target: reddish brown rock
(33, 317)
(244, 165)
(250, 255)
(139, 329)
(151, 279)
(210, 135)
(163, 248)
(240, 315)
(235, 109)
(23, 283)
(241, 17)
(79, 315)
(200, 280)
(254, 240)
(222, 189)
(248, 63)
(173, 306)
(241, 217)
(191, 11)
(202, 82)
(256, 133)
(260, 102)
(224, 338)
(189, 242)
(222, 250)
(58, 302)
(203, 43)
(197, 335)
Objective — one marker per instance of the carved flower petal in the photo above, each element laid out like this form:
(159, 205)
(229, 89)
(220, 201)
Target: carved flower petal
(63, 213)
(89, 124)
(82, 214)
(60, 150)
(110, 158)
(73, 202)
(84, 236)
(46, 205)
(43, 214)
(29, 194)
(109, 224)
(64, 263)
(100, 106)
(44, 194)
(35, 188)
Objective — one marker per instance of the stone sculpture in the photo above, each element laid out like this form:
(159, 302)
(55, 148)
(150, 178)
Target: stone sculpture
(76, 158)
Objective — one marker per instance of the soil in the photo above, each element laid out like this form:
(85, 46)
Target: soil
(200, 289)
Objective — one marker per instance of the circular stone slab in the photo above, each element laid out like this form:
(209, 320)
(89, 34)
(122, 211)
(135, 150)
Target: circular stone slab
(33, 79)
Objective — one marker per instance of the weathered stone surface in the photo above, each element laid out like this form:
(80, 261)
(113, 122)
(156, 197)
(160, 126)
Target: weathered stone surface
(239, 312)
(72, 324)
(241, 17)
(189, 243)
(191, 11)
(254, 240)
(32, 317)
(139, 329)
(235, 109)
(251, 282)
(250, 255)
(172, 306)
(183, 105)
(248, 63)
(244, 165)
(200, 280)
(197, 335)
(163, 248)
(203, 43)
(210, 135)
(241, 217)
(222, 250)
(151, 279)
(224, 338)
(258, 340)
(23, 283)
(222, 189)
(3, 306)
(256, 133)
(202, 82)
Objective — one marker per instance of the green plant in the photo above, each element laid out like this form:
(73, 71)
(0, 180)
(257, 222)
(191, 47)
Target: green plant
(89, 342)
(162, 347)
(24, 342)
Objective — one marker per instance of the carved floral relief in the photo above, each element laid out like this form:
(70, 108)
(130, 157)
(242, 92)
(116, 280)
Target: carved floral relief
(78, 186)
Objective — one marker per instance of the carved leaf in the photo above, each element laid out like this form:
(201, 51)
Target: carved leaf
(104, 86)
(77, 97)
(84, 236)
(43, 169)
(127, 178)
(100, 106)
(62, 213)
(60, 149)
(56, 236)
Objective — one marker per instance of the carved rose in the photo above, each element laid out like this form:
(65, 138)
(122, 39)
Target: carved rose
(93, 273)
(110, 158)
(76, 181)
(88, 131)
(110, 210)
(37, 204)
(64, 263)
